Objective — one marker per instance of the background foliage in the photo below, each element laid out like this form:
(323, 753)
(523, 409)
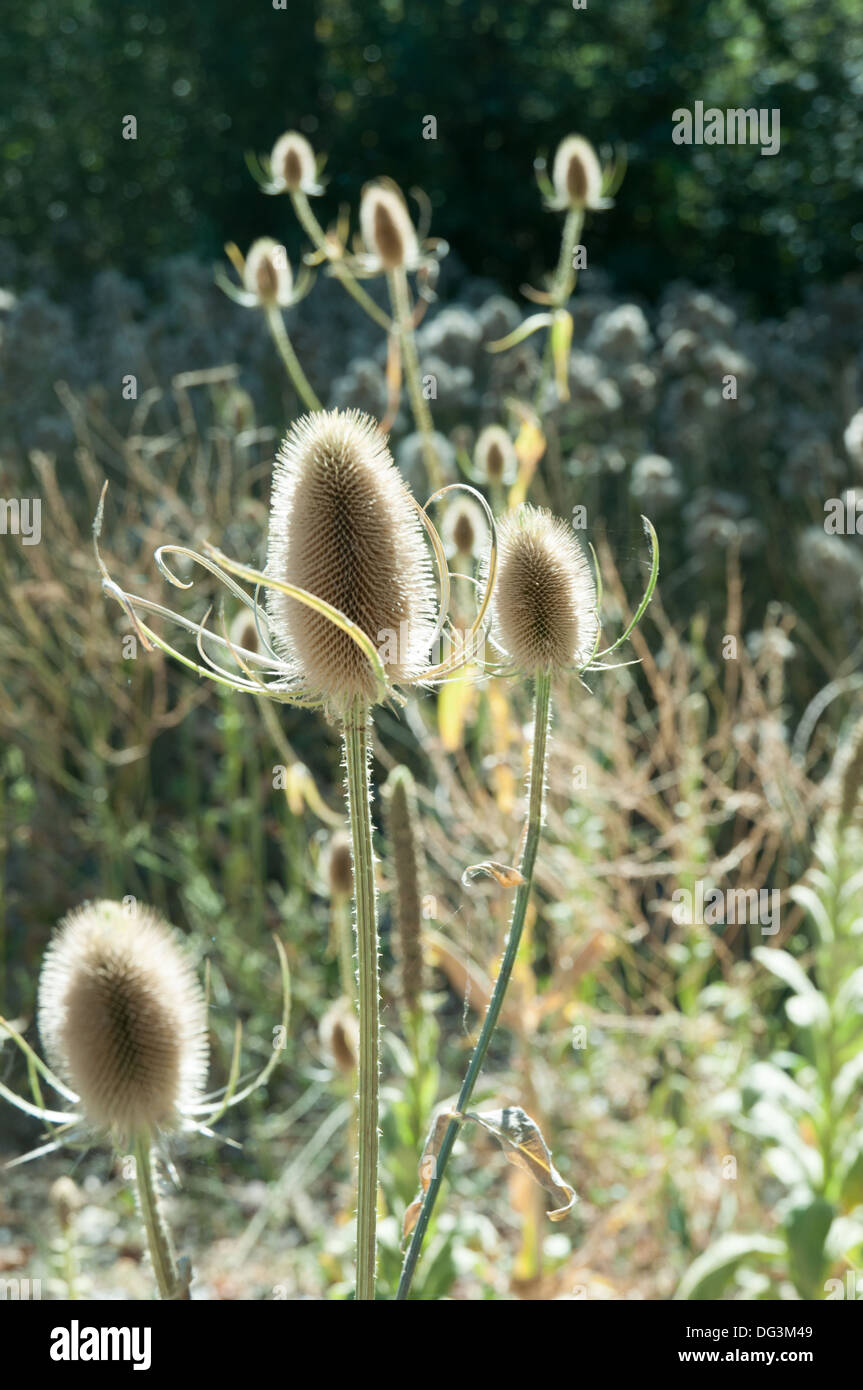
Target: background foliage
(208, 83)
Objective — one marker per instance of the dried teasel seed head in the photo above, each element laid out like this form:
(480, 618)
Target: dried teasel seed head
(341, 866)
(293, 162)
(339, 1034)
(386, 226)
(122, 1017)
(494, 456)
(343, 526)
(544, 602)
(403, 830)
(267, 273)
(577, 176)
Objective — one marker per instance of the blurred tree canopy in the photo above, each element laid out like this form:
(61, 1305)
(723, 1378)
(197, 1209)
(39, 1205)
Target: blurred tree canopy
(505, 82)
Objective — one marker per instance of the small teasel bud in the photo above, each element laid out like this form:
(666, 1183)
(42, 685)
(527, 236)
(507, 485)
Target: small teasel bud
(293, 162)
(544, 603)
(494, 456)
(386, 226)
(465, 530)
(123, 1018)
(339, 1033)
(577, 176)
(403, 831)
(341, 869)
(244, 633)
(267, 273)
(344, 528)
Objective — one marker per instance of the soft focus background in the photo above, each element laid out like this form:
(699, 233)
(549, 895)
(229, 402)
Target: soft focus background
(705, 1108)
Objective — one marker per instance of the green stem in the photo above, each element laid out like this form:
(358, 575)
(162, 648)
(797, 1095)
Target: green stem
(316, 234)
(356, 741)
(158, 1236)
(541, 724)
(279, 333)
(402, 312)
(565, 277)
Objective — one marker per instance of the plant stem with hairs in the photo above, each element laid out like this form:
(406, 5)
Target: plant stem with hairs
(356, 744)
(397, 281)
(158, 1236)
(542, 716)
(279, 333)
(316, 234)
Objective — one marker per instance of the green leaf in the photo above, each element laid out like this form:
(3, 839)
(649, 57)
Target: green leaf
(806, 1228)
(710, 1274)
(770, 1082)
(785, 968)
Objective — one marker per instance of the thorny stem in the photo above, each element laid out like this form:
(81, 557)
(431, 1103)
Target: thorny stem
(356, 742)
(400, 297)
(279, 333)
(526, 866)
(158, 1236)
(316, 234)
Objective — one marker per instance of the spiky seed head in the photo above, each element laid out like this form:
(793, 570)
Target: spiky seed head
(386, 226)
(577, 176)
(341, 866)
(293, 162)
(544, 602)
(494, 455)
(343, 526)
(400, 809)
(339, 1032)
(465, 530)
(122, 1017)
(267, 273)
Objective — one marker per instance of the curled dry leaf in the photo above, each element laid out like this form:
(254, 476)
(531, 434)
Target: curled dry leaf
(428, 1165)
(521, 1140)
(523, 1145)
(504, 874)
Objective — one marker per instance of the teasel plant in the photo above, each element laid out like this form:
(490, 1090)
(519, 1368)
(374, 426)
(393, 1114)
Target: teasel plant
(394, 246)
(545, 622)
(292, 168)
(123, 1023)
(353, 616)
(267, 283)
(578, 184)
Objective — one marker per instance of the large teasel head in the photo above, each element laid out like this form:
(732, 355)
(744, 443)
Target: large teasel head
(344, 527)
(544, 601)
(402, 824)
(123, 1019)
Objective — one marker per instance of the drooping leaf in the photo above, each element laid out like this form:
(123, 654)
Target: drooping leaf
(523, 1145)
